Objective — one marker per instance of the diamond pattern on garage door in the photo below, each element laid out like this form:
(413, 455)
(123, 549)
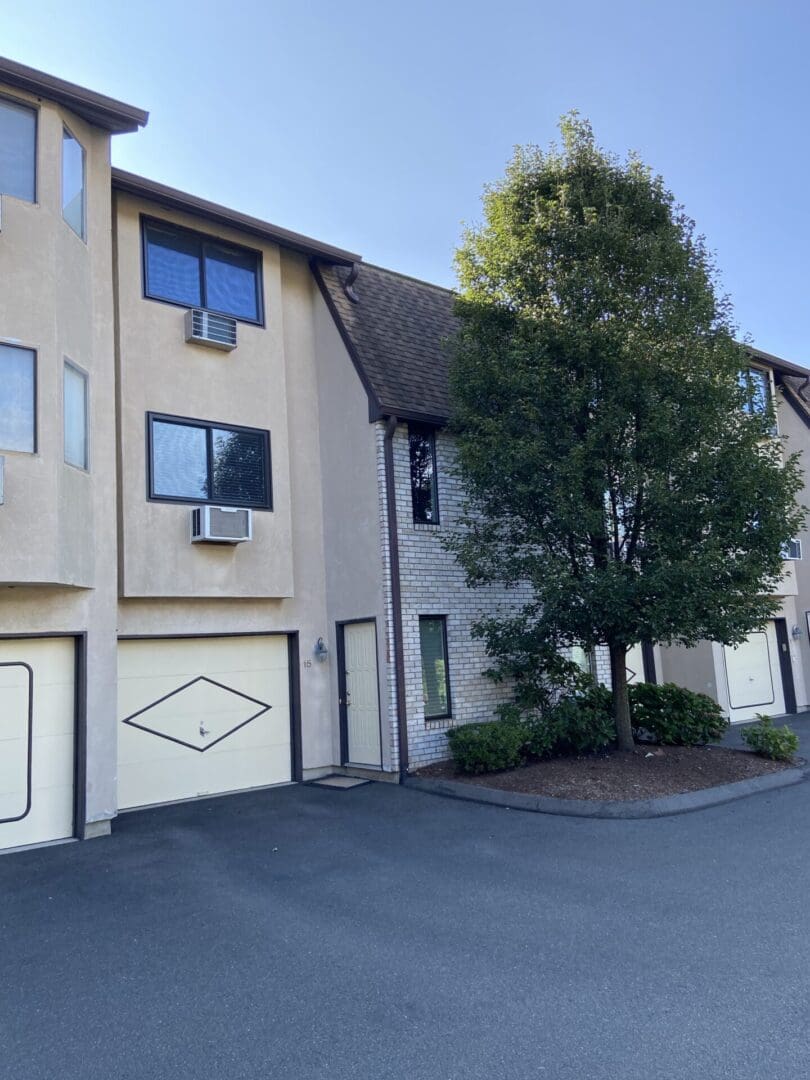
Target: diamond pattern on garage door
(199, 714)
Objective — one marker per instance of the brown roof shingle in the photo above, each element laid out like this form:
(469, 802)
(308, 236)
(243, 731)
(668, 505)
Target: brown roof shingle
(396, 334)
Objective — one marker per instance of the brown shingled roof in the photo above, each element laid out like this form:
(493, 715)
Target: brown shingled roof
(396, 334)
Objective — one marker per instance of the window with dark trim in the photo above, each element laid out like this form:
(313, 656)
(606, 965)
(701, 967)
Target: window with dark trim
(757, 386)
(424, 491)
(18, 399)
(435, 672)
(18, 150)
(197, 271)
(194, 461)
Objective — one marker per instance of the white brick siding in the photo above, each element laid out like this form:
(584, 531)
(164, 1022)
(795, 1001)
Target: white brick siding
(432, 583)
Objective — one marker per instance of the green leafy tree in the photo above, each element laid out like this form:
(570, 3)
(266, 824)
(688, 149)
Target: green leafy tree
(614, 458)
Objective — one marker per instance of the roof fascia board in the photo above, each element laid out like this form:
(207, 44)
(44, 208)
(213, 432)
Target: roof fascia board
(105, 112)
(173, 199)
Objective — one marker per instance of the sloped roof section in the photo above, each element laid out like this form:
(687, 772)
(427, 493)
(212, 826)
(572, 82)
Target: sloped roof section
(173, 199)
(396, 334)
(105, 112)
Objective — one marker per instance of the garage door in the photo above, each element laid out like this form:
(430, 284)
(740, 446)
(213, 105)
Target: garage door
(201, 716)
(37, 722)
(754, 677)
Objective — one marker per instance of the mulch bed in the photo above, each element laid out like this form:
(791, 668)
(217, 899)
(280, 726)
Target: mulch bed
(648, 772)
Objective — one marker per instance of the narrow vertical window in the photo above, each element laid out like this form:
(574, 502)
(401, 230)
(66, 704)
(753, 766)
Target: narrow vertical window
(73, 183)
(757, 386)
(75, 417)
(18, 150)
(17, 399)
(435, 673)
(424, 494)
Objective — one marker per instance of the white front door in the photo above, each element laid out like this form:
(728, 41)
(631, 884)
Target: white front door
(754, 677)
(635, 664)
(362, 693)
(37, 723)
(201, 716)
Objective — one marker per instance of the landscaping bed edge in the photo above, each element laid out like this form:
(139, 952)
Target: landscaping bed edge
(663, 806)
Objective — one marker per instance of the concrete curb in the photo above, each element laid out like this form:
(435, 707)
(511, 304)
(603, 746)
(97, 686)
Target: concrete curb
(684, 803)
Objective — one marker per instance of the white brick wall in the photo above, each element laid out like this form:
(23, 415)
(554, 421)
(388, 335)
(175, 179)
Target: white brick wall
(432, 583)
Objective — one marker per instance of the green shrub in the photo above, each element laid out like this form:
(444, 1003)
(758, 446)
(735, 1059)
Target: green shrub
(583, 722)
(778, 743)
(488, 747)
(674, 715)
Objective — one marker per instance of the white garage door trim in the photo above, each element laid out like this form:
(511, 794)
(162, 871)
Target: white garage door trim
(72, 816)
(199, 686)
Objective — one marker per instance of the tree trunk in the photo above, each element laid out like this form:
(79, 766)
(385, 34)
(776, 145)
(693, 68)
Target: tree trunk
(621, 702)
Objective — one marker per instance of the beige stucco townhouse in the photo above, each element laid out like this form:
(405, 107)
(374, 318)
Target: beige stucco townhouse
(225, 488)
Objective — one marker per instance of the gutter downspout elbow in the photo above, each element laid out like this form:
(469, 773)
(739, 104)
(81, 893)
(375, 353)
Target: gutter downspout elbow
(396, 594)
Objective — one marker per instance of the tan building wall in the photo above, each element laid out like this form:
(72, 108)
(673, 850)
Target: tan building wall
(276, 582)
(57, 527)
(160, 372)
(351, 510)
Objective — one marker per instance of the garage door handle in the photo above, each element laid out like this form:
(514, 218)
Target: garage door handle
(203, 731)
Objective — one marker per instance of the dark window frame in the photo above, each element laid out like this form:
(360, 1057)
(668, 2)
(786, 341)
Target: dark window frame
(35, 389)
(208, 426)
(203, 238)
(448, 714)
(35, 110)
(428, 432)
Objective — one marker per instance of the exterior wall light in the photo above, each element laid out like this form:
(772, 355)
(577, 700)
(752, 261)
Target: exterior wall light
(321, 650)
(796, 633)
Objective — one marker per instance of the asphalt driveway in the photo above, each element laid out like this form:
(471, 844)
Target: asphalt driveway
(382, 932)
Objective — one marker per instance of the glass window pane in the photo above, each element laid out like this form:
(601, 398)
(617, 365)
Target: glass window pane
(230, 282)
(73, 183)
(423, 480)
(179, 461)
(18, 139)
(173, 266)
(757, 386)
(239, 467)
(17, 399)
(75, 417)
(434, 667)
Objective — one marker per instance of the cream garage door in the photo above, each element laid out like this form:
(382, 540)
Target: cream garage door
(37, 740)
(754, 677)
(201, 716)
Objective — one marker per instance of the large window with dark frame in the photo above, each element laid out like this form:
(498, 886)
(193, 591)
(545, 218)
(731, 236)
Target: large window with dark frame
(757, 386)
(424, 492)
(18, 150)
(193, 461)
(197, 271)
(435, 672)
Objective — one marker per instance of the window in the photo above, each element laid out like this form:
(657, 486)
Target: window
(193, 461)
(757, 386)
(424, 494)
(792, 550)
(75, 416)
(18, 150)
(435, 675)
(73, 183)
(17, 399)
(187, 268)
(582, 658)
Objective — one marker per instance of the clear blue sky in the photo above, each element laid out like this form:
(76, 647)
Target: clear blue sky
(374, 125)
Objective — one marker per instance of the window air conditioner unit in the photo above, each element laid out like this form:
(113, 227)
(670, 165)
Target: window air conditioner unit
(205, 328)
(221, 525)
